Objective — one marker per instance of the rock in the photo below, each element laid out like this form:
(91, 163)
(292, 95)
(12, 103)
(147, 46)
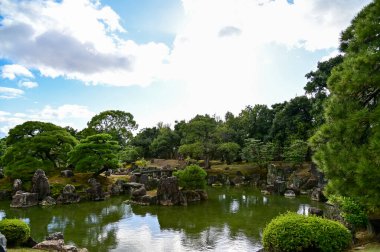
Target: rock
(310, 184)
(317, 195)
(168, 192)
(315, 211)
(138, 192)
(48, 201)
(152, 184)
(191, 196)
(17, 185)
(40, 184)
(95, 192)
(144, 179)
(1, 173)
(202, 193)
(238, 180)
(265, 192)
(55, 236)
(54, 245)
(24, 199)
(3, 243)
(289, 194)
(279, 186)
(67, 173)
(68, 195)
(116, 188)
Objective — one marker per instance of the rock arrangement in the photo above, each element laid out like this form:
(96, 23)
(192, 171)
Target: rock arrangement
(95, 192)
(55, 242)
(3, 243)
(68, 195)
(40, 184)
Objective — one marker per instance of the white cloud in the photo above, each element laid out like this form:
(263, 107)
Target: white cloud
(76, 39)
(10, 93)
(28, 84)
(65, 115)
(11, 71)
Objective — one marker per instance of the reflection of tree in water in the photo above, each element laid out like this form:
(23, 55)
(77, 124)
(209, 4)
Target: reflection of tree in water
(230, 213)
(89, 224)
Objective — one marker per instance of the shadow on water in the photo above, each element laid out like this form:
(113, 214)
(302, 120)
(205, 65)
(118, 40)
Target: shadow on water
(231, 220)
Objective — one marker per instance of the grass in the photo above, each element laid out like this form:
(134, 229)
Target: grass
(371, 247)
(24, 250)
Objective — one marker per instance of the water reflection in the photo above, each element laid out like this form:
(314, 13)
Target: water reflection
(231, 220)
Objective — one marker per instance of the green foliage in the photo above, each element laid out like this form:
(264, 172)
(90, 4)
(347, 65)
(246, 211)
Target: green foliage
(118, 124)
(351, 210)
(258, 152)
(257, 121)
(229, 151)
(192, 177)
(292, 232)
(143, 141)
(128, 155)
(348, 144)
(96, 153)
(15, 231)
(36, 145)
(141, 163)
(194, 150)
(296, 152)
(164, 145)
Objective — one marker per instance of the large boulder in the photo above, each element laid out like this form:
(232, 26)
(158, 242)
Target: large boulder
(24, 199)
(3, 243)
(40, 184)
(48, 201)
(67, 173)
(317, 195)
(168, 192)
(138, 193)
(17, 185)
(95, 192)
(68, 195)
(55, 242)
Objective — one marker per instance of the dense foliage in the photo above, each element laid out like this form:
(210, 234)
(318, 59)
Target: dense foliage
(348, 143)
(36, 145)
(292, 232)
(351, 211)
(15, 231)
(192, 177)
(96, 154)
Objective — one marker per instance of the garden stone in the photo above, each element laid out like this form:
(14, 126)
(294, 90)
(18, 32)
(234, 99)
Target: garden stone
(3, 243)
(40, 184)
(68, 195)
(67, 173)
(95, 192)
(315, 211)
(168, 192)
(24, 199)
(17, 185)
(55, 236)
(48, 201)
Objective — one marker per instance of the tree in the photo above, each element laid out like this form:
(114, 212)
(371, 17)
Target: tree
(348, 143)
(192, 177)
(97, 153)
(229, 151)
(258, 151)
(36, 145)
(296, 152)
(165, 144)
(118, 124)
(194, 150)
(317, 89)
(143, 140)
(128, 154)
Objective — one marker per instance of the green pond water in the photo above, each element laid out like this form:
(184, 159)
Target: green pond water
(231, 220)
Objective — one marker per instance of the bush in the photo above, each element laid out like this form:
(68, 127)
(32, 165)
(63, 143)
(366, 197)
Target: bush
(16, 231)
(192, 177)
(351, 211)
(294, 232)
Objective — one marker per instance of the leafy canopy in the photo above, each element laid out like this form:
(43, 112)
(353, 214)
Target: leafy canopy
(96, 154)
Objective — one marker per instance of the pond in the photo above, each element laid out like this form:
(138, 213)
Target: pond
(231, 220)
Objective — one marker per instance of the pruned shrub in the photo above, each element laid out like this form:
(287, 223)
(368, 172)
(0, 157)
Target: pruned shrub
(294, 232)
(15, 231)
(192, 177)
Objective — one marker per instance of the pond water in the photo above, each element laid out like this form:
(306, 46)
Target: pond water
(231, 220)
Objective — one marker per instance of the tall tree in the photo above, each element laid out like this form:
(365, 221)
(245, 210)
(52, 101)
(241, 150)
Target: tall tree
(118, 124)
(143, 140)
(97, 153)
(166, 143)
(348, 144)
(36, 145)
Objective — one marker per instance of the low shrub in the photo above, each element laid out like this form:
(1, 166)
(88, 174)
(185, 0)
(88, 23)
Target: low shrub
(192, 177)
(15, 231)
(294, 232)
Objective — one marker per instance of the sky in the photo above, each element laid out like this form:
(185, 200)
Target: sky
(160, 60)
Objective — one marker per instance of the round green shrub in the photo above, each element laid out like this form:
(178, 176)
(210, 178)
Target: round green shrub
(15, 231)
(192, 177)
(294, 232)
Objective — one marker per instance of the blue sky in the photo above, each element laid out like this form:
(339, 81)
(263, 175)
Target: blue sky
(65, 61)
